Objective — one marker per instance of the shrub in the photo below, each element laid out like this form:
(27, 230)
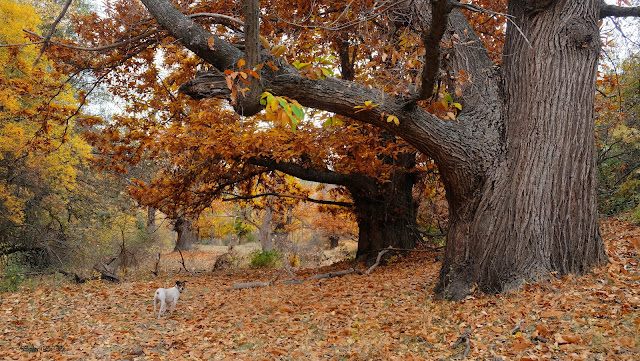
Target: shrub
(265, 259)
(12, 276)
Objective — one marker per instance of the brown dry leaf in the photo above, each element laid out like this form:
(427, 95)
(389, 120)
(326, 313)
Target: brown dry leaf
(568, 338)
(552, 313)
(625, 341)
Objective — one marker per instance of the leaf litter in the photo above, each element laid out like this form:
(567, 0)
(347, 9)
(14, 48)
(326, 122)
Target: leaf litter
(388, 315)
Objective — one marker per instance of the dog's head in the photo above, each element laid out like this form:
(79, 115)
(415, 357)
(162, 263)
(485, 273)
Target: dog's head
(180, 285)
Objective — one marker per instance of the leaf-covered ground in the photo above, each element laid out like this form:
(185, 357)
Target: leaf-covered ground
(388, 315)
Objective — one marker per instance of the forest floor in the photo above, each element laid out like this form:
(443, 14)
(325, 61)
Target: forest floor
(388, 315)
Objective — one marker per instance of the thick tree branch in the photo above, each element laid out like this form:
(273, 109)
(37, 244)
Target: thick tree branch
(317, 175)
(431, 39)
(192, 35)
(252, 54)
(272, 194)
(607, 10)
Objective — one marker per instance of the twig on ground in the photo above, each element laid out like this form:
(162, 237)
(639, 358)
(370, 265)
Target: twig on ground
(183, 265)
(464, 338)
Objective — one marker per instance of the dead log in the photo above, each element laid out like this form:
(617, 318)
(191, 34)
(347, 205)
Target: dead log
(334, 274)
(240, 286)
(105, 272)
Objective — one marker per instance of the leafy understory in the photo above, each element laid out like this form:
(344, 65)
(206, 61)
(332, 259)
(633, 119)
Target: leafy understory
(389, 314)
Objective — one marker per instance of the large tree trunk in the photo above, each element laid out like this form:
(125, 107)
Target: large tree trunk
(186, 235)
(388, 217)
(535, 212)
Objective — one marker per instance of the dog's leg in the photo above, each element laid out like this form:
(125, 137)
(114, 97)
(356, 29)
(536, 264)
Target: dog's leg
(173, 306)
(155, 302)
(163, 308)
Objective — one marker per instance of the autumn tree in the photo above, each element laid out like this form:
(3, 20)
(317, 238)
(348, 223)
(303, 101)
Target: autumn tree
(518, 163)
(513, 143)
(617, 135)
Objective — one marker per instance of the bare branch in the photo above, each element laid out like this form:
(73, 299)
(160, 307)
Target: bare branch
(479, 9)
(53, 28)
(271, 194)
(607, 10)
(20, 44)
(98, 48)
(380, 254)
(217, 16)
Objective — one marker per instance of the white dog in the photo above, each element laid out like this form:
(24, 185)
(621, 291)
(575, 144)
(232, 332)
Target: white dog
(167, 295)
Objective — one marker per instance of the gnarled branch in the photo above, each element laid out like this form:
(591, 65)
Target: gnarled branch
(607, 10)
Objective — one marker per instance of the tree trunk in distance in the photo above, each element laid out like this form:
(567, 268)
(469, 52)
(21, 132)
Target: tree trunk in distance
(186, 235)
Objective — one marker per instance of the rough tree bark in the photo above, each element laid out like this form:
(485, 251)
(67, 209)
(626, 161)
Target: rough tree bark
(517, 165)
(186, 235)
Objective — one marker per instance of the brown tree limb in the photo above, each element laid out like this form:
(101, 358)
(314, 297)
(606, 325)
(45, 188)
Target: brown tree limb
(20, 44)
(97, 48)
(607, 10)
(315, 174)
(334, 274)
(440, 139)
(51, 31)
(217, 16)
(306, 199)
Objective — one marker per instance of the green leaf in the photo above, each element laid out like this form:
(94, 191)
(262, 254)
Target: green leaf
(448, 98)
(298, 111)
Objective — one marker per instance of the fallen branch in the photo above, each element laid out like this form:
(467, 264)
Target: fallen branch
(431, 249)
(105, 273)
(380, 254)
(334, 274)
(292, 282)
(240, 286)
(464, 338)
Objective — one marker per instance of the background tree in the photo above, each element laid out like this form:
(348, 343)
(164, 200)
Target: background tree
(55, 210)
(617, 136)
